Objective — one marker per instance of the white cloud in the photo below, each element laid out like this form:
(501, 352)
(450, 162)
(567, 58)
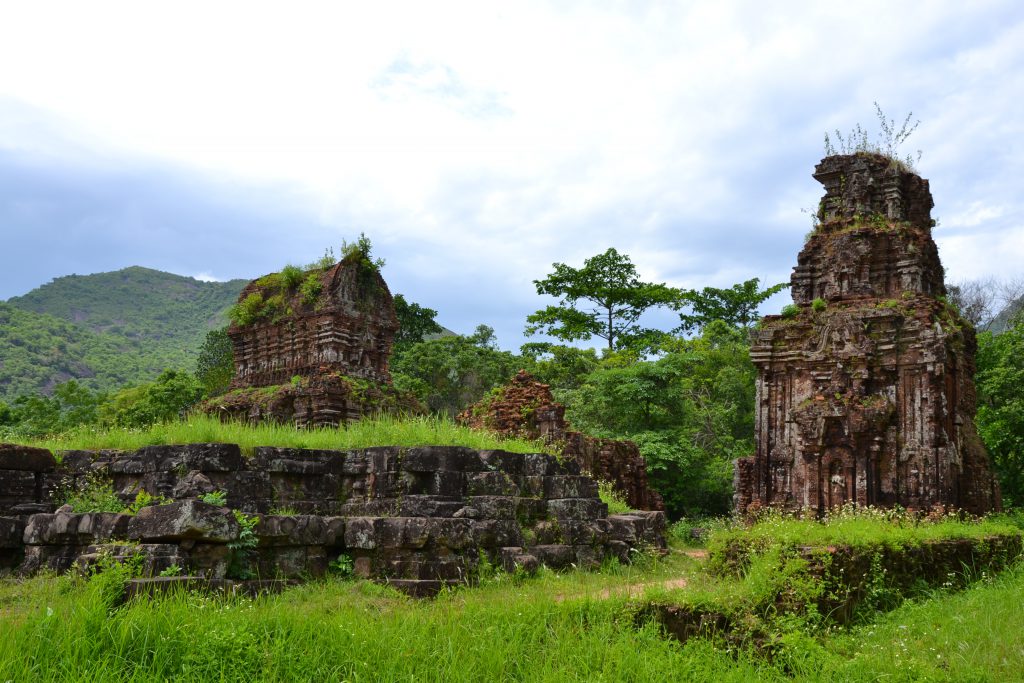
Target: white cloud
(494, 139)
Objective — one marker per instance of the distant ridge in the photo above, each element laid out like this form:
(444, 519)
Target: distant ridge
(107, 329)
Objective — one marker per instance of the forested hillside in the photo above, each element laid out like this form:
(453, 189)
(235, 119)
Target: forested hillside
(107, 329)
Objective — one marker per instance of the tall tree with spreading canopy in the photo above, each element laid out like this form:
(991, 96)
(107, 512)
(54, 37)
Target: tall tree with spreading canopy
(617, 298)
(415, 321)
(736, 305)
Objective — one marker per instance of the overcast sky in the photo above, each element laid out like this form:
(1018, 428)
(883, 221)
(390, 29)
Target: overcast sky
(476, 143)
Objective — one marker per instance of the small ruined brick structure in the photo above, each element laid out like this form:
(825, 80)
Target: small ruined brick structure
(865, 395)
(525, 408)
(314, 353)
(349, 329)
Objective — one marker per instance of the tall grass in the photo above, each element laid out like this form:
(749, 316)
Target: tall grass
(552, 628)
(376, 431)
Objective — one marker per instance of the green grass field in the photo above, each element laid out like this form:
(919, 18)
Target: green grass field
(552, 627)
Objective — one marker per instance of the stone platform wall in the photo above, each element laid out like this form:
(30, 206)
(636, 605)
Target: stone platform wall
(419, 518)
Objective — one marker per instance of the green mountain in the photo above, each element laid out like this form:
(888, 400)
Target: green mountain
(107, 329)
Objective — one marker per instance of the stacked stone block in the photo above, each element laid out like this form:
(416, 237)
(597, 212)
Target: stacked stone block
(418, 518)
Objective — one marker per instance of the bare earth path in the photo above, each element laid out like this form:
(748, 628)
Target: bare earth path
(634, 589)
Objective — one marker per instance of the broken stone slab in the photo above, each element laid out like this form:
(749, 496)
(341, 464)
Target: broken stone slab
(495, 507)
(11, 531)
(300, 461)
(581, 509)
(639, 528)
(557, 556)
(26, 458)
(55, 558)
(282, 562)
(69, 528)
(491, 484)
(202, 457)
(496, 533)
(439, 458)
(295, 530)
(570, 486)
(19, 487)
(153, 558)
(188, 519)
(516, 559)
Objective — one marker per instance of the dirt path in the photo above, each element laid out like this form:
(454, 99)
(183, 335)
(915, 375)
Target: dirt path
(635, 589)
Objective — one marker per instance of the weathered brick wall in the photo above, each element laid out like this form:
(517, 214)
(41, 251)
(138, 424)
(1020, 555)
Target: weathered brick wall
(418, 518)
(526, 408)
(315, 363)
(869, 398)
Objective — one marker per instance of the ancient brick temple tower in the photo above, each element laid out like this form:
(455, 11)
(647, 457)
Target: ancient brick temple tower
(314, 352)
(865, 392)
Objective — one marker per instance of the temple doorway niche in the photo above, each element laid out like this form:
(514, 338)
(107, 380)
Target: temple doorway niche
(837, 466)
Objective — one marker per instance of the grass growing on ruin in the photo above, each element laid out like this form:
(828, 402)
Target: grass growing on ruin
(378, 431)
(860, 526)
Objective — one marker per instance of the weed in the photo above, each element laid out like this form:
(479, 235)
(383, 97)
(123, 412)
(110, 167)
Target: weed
(92, 493)
(819, 304)
(218, 498)
(889, 140)
(342, 566)
(615, 500)
(145, 499)
(790, 311)
(240, 564)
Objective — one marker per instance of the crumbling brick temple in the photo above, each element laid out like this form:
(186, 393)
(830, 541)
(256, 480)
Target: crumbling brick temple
(314, 352)
(865, 390)
(525, 408)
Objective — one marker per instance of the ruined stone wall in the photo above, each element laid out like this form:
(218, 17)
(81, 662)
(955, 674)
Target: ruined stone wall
(526, 409)
(866, 394)
(417, 518)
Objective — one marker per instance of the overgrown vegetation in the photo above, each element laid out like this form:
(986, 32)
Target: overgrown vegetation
(887, 144)
(379, 431)
(568, 626)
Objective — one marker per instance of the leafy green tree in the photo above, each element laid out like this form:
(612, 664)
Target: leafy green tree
(449, 373)
(71, 405)
(736, 305)
(215, 367)
(617, 299)
(1000, 418)
(415, 321)
(691, 412)
(563, 367)
(166, 399)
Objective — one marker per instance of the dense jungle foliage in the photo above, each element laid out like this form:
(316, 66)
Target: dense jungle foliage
(107, 330)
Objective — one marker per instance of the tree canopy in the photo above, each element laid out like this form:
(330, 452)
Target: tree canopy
(616, 296)
(736, 305)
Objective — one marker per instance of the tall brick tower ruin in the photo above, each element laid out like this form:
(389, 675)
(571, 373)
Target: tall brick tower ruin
(865, 392)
